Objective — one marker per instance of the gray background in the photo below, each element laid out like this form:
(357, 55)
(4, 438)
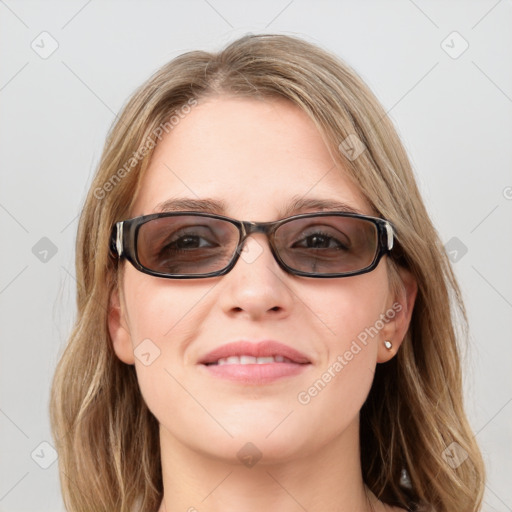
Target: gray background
(452, 109)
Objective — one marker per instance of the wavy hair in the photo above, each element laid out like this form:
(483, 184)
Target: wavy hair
(106, 437)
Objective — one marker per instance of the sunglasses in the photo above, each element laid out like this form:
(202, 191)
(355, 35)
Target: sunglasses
(191, 245)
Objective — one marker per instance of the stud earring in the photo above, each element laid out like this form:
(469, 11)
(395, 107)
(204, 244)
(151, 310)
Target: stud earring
(388, 344)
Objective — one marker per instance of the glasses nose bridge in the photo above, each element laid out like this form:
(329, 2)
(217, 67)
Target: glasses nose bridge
(248, 228)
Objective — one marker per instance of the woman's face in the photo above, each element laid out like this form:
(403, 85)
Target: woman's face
(257, 157)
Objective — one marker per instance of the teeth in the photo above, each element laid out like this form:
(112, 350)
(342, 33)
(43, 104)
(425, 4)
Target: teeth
(265, 360)
(253, 360)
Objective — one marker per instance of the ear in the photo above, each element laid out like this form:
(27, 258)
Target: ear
(399, 313)
(119, 331)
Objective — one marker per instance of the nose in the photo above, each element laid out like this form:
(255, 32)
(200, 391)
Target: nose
(257, 287)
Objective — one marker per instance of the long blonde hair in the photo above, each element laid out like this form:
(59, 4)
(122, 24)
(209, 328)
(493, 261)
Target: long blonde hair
(107, 439)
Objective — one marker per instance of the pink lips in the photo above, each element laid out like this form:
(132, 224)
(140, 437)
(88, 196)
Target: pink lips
(258, 373)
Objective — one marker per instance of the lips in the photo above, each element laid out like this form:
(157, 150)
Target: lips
(254, 363)
(245, 352)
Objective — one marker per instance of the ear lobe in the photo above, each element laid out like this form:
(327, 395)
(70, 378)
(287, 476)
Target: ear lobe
(118, 329)
(396, 329)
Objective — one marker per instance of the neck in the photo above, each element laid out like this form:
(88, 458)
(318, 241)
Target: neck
(326, 478)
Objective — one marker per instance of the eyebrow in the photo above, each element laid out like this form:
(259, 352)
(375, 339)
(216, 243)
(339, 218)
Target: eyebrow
(219, 207)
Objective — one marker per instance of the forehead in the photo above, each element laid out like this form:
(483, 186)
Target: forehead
(254, 159)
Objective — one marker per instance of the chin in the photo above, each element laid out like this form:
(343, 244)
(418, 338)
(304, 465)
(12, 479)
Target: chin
(249, 450)
(275, 441)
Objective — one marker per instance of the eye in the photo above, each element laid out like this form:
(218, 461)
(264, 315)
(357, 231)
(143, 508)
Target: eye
(320, 240)
(189, 241)
(185, 241)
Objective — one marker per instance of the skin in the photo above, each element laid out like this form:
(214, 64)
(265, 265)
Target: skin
(255, 155)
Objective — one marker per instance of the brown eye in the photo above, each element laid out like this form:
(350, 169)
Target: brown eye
(319, 240)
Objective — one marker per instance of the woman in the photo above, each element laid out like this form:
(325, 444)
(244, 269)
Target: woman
(265, 311)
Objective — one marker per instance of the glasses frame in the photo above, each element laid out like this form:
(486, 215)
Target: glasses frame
(123, 242)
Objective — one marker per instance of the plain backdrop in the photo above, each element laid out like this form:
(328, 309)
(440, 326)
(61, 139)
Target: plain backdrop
(443, 71)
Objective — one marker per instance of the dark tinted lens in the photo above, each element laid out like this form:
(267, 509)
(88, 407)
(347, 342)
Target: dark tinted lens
(186, 244)
(327, 244)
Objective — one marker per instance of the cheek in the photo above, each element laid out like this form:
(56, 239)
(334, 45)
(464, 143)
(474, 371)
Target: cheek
(164, 311)
(348, 314)
(164, 318)
(348, 309)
